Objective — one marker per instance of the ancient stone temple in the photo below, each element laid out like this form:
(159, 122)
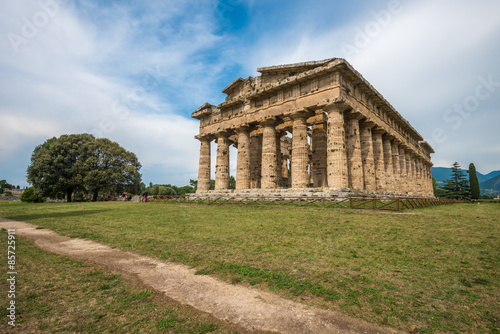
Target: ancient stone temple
(317, 128)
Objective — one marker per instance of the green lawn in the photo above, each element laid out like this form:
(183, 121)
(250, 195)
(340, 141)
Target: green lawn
(428, 270)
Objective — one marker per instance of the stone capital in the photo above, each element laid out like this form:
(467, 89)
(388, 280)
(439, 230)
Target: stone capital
(367, 123)
(379, 131)
(300, 114)
(354, 114)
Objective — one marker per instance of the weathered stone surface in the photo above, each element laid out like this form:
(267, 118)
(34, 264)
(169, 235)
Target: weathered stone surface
(204, 167)
(342, 114)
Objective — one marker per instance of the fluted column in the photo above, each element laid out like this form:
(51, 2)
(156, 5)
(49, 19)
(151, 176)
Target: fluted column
(413, 190)
(300, 151)
(243, 159)
(403, 183)
(318, 168)
(353, 150)
(269, 178)
(396, 166)
(430, 189)
(336, 149)
(279, 159)
(409, 172)
(222, 167)
(255, 160)
(420, 175)
(367, 155)
(204, 166)
(378, 157)
(389, 173)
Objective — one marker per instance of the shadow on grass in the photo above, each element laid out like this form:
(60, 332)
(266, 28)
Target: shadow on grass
(31, 217)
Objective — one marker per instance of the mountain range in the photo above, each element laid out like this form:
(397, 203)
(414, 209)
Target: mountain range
(489, 183)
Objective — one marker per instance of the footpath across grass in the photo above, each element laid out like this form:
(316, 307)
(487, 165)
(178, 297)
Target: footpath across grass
(431, 270)
(58, 294)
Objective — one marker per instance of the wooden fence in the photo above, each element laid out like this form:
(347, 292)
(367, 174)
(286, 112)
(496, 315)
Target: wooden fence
(393, 204)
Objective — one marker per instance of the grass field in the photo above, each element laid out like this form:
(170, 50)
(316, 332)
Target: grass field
(58, 294)
(431, 270)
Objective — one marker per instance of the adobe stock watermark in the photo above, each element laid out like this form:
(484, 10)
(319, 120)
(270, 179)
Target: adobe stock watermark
(31, 27)
(122, 107)
(456, 115)
(372, 29)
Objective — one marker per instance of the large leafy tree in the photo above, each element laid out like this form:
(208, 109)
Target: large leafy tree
(107, 166)
(475, 191)
(457, 186)
(80, 162)
(53, 171)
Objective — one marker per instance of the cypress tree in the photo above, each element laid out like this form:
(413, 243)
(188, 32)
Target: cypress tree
(475, 192)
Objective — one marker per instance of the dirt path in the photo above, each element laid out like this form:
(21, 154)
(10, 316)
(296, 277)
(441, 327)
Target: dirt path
(247, 307)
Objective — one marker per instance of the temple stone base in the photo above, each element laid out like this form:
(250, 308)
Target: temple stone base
(298, 192)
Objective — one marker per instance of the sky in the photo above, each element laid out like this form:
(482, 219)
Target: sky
(134, 71)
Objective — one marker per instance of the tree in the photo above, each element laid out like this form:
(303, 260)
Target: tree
(80, 162)
(457, 186)
(53, 171)
(30, 196)
(232, 182)
(475, 191)
(109, 167)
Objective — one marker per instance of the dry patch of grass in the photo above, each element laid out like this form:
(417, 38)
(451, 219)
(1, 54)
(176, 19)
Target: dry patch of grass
(435, 270)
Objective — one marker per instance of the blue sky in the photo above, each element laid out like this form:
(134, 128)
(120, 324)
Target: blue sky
(134, 71)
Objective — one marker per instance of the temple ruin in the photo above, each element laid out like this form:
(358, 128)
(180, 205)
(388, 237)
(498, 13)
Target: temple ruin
(316, 128)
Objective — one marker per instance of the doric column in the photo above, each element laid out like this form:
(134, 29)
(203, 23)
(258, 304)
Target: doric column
(409, 172)
(300, 151)
(255, 160)
(403, 183)
(336, 157)
(222, 167)
(243, 160)
(430, 189)
(279, 159)
(419, 176)
(413, 175)
(269, 174)
(396, 166)
(318, 163)
(389, 173)
(204, 165)
(353, 150)
(378, 157)
(367, 155)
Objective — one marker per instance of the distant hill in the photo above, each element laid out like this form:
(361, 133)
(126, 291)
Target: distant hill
(443, 173)
(490, 187)
(489, 183)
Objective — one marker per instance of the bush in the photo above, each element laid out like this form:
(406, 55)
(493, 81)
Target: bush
(30, 196)
(8, 193)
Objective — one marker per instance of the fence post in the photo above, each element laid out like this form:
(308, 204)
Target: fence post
(350, 202)
(399, 204)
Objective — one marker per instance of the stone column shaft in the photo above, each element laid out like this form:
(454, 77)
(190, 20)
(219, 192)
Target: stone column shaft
(243, 160)
(402, 165)
(300, 152)
(204, 166)
(396, 167)
(279, 160)
(409, 173)
(353, 150)
(222, 167)
(336, 149)
(269, 174)
(378, 157)
(255, 161)
(319, 148)
(389, 173)
(367, 157)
